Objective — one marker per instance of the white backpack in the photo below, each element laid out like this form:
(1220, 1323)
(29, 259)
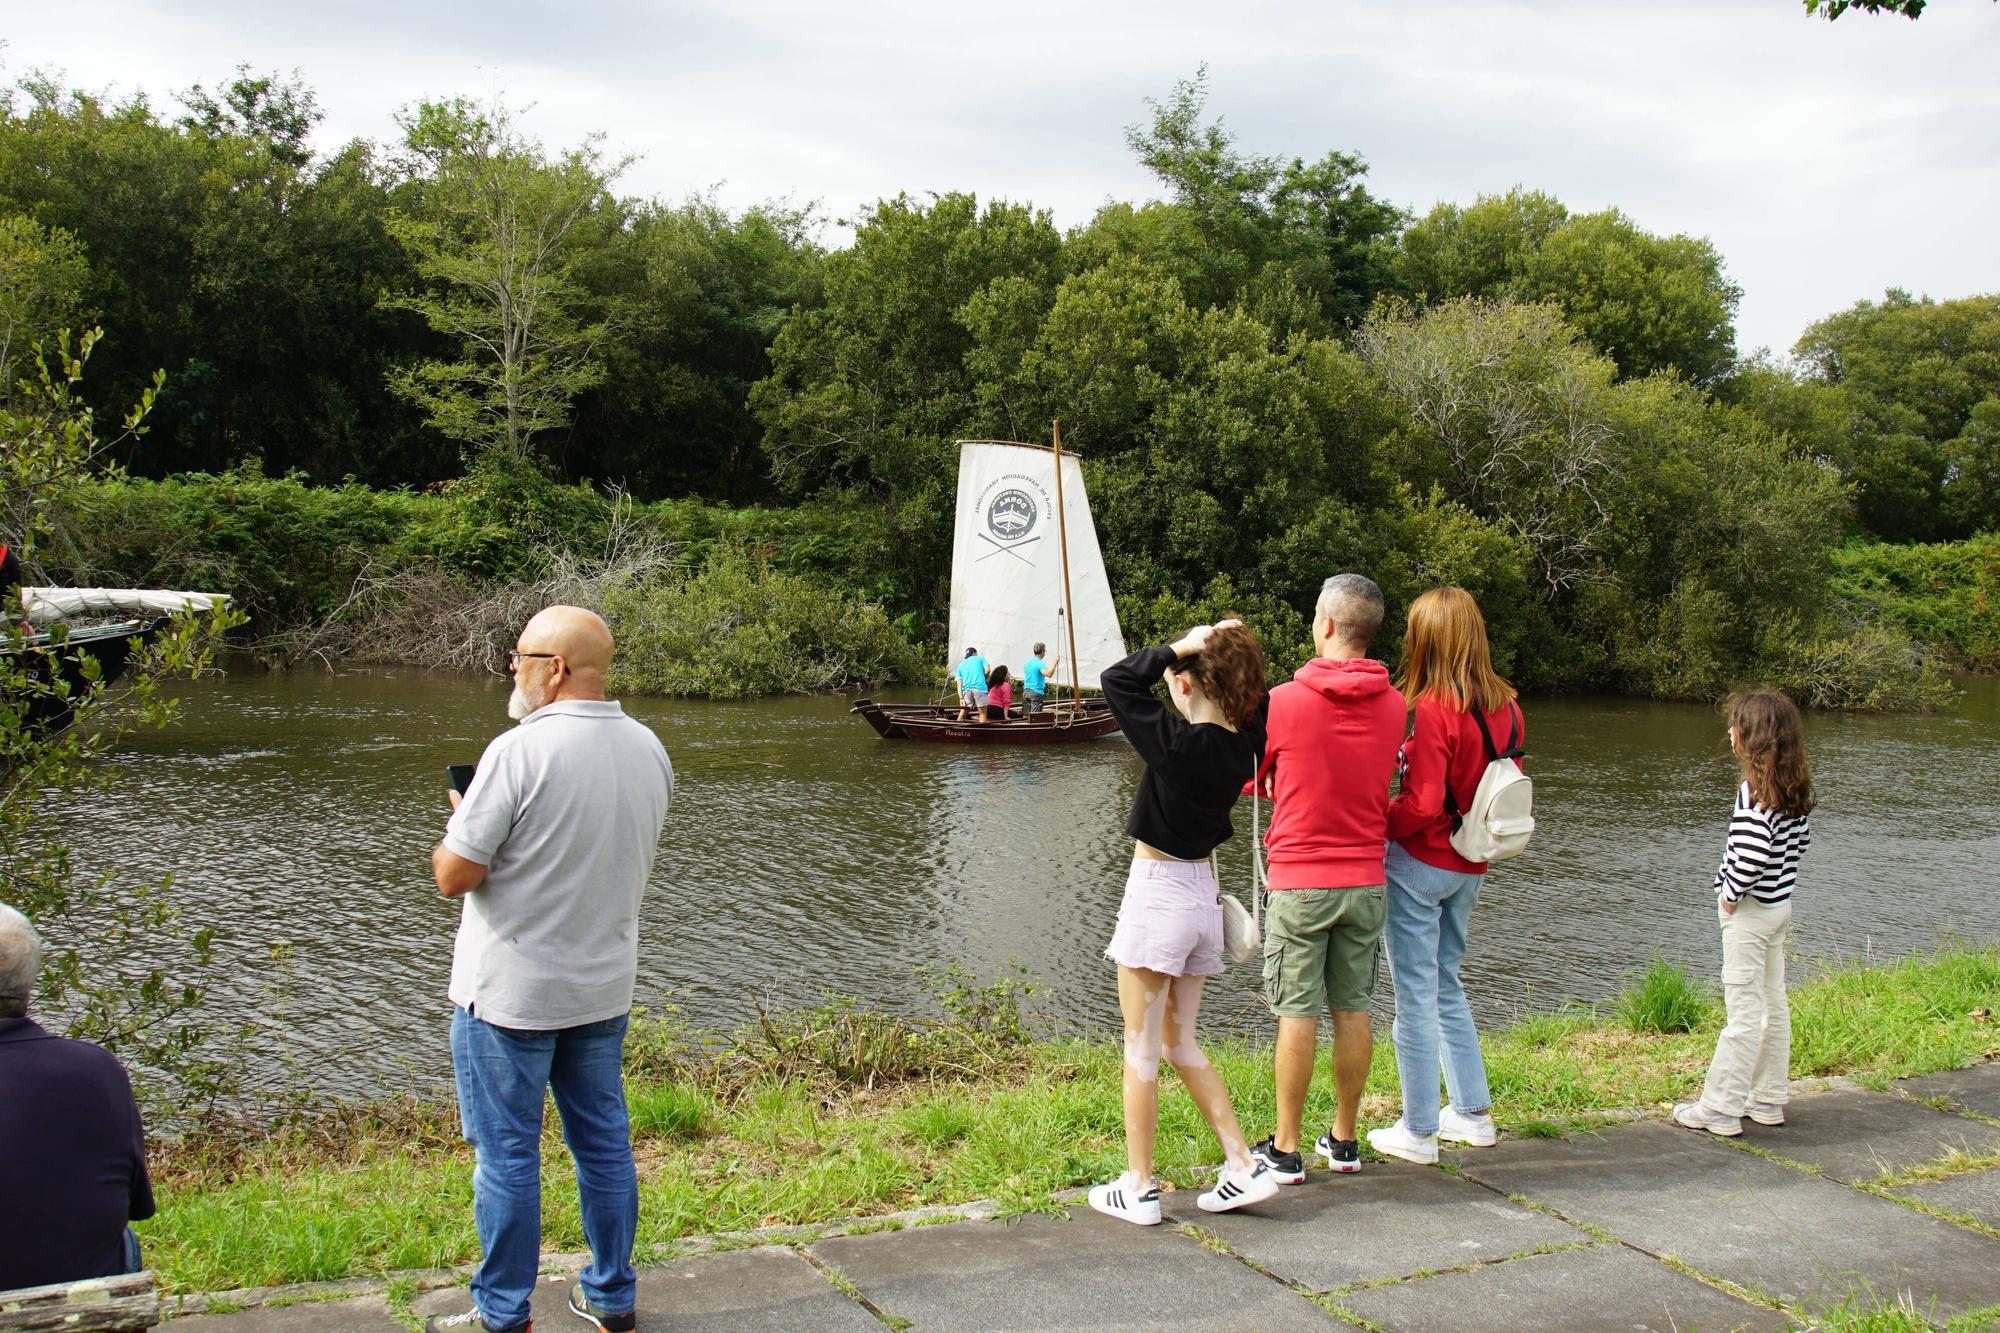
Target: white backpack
(1502, 815)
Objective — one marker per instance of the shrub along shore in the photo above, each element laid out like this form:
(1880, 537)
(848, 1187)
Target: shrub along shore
(839, 1112)
(839, 591)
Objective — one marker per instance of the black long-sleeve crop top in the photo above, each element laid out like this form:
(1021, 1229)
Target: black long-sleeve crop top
(1194, 771)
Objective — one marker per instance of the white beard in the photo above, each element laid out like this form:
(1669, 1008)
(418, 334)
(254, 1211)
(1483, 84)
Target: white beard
(519, 705)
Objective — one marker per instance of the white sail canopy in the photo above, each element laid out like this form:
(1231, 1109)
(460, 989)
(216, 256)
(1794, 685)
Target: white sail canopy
(45, 605)
(1007, 563)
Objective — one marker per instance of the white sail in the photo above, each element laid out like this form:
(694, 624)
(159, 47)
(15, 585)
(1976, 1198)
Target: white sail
(1007, 566)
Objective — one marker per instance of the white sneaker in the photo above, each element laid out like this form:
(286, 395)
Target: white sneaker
(1693, 1115)
(1235, 1188)
(1397, 1141)
(1474, 1131)
(1767, 1113)
(1129, 1197)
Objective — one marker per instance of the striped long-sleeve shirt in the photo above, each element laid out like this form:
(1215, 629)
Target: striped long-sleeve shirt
(1761, 858)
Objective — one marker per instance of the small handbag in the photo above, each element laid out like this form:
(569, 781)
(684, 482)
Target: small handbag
(1243, 929)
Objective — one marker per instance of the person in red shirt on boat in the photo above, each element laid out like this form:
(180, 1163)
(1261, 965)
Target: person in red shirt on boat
(1447, 674)
(999, 694)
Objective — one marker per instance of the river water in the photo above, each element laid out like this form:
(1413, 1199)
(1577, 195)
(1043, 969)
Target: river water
(804, 857)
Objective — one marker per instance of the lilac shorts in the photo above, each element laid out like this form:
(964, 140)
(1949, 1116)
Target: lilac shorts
(1170, 920)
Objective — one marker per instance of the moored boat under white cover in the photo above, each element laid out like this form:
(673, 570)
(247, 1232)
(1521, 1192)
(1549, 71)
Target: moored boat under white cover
(47, 605)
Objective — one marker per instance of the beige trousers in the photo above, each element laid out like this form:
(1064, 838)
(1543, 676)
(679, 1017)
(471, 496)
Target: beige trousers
(1753, 1056)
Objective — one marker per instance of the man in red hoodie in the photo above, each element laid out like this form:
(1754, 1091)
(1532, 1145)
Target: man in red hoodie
(1334, 730)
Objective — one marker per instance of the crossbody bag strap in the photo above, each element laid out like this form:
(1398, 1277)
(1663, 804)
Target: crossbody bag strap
(1257, 876)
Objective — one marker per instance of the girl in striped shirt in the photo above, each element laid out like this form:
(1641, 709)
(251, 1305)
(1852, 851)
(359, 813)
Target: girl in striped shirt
(1769, 831)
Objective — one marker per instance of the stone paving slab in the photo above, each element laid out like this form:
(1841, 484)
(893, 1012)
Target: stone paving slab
(1976, 1194)
(1086, 1272)
(1857, 1136)
(365, 1314)
(1603, 1289)
(772, 1287)
(1730, 1213)
(1389, 1220)
(1976, 1089)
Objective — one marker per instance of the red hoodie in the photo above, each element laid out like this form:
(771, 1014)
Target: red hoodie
(1445, 747)
(1333, 733)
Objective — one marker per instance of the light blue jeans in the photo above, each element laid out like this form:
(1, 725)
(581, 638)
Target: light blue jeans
(502, 1076)
(1429, 910)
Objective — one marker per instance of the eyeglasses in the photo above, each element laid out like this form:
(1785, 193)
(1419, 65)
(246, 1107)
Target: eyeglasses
(514, 657)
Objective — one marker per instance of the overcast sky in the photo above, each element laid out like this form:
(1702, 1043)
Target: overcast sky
(1826, 161)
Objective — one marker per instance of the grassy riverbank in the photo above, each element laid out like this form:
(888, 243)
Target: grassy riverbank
(839, 1112)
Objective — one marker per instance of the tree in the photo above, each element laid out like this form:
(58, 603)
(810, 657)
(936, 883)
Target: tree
(42, 276)
(280, 113)
(1911, 373)
(112, 972)
(1259, 223)
(1650, 302)
(871, 388)
(499, 232)
(255, 281)
(1833, 9)
(705, 294)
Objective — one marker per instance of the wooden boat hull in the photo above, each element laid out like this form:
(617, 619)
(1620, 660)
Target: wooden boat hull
(111, 646)
(1060, 723)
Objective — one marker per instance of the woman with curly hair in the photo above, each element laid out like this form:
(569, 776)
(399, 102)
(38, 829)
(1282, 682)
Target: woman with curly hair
(1168, 940)
(1769, 832)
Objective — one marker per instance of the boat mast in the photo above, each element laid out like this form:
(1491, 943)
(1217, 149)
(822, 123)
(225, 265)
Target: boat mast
(1069, 603)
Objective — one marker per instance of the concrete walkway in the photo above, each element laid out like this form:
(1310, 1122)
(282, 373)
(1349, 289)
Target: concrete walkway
(1866, 1196)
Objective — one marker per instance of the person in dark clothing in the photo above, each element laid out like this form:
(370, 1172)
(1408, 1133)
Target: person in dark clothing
(1168, 940)
(72, 1149)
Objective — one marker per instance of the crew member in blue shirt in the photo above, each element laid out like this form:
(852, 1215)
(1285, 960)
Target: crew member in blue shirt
(1034, 679)
(971, 675)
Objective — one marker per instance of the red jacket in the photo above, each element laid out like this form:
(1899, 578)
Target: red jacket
(1445, 747)
(1333, 732)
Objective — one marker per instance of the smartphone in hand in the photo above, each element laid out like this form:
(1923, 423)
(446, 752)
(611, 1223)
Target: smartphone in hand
(459, 776)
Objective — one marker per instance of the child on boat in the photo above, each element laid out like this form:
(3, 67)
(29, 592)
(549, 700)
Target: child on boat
(1168, 939)
(1769, 831)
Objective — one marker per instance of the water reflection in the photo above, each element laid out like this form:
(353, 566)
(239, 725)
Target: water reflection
(805, 857)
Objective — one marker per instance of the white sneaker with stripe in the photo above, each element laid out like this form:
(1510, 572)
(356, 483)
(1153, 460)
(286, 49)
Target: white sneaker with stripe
(1135, 1200)
(1236, 1188)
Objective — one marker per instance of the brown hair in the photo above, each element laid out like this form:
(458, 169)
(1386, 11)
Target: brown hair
(1445, 654)
(1230, 671)
(1770, 746)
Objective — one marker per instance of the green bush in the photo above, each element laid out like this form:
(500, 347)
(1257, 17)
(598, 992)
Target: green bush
(738, 627)
(1946, 594)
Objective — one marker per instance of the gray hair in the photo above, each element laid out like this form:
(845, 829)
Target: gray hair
(20, 960)
(1354, 604)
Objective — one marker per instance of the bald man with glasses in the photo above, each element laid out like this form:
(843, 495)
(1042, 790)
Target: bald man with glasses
(549, 851)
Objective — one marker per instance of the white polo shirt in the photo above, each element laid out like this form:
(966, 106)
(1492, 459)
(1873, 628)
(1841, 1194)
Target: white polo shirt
(565, 813)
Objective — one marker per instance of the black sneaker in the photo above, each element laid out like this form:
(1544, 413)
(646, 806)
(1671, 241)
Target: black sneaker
(590, 1314)
(1341, 1154)
(1287, 1168)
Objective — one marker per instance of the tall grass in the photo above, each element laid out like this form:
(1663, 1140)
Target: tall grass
(1665, 999)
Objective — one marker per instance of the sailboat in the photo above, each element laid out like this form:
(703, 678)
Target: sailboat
(1025, 568)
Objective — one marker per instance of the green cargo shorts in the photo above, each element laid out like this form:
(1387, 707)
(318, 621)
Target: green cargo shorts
(1322, 949)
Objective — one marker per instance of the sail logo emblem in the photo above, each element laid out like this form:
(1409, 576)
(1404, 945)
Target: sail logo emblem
(1011, 515)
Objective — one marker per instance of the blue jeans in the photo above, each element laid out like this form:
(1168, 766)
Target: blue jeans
(1429, 910)
(502, 1076)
